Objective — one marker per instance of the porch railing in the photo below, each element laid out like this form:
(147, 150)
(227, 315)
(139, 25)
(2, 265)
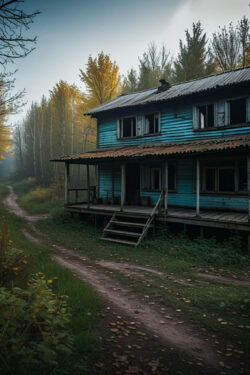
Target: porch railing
(92, 190)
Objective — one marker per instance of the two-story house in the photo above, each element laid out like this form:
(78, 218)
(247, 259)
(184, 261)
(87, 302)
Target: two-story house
(176, 153)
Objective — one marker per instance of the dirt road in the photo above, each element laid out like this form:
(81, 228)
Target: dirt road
(159, 321)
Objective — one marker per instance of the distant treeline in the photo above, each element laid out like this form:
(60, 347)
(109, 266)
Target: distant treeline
(57, 125)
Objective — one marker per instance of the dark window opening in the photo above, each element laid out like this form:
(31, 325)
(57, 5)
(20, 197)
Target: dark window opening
(128, 127)
(151, 124)
(224, 176)
(171, 177)
(206, 116)
(237, 109)
(210, 179)
(226, 179)
(156, 178)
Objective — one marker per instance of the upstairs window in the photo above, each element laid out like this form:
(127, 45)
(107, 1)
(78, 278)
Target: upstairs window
(151, 123)
(206, 116)
(237, 111)
(128, 127)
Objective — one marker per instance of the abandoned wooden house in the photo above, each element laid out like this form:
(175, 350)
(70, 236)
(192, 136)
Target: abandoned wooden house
(177, 153)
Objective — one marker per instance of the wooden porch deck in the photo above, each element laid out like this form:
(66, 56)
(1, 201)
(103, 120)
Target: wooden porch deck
(207, 218)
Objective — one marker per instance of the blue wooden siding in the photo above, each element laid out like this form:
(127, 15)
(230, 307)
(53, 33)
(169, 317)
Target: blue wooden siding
(176, 126)
(185, 181)
(105, 180)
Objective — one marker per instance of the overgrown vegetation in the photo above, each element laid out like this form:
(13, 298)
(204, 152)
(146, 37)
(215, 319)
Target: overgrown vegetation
(37, 199)
(41, 329)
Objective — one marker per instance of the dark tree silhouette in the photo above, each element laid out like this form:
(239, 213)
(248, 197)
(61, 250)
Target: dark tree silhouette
(14, 23)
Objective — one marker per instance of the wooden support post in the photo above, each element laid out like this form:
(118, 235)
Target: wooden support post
(97, 181)
(197, 187)
(113, 185)
(123, 185)
(66, 183)
(165, 187)
(248, 242)
(248, 185)
(88, 185)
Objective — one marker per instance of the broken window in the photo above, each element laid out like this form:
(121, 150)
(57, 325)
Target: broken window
(237, 111)
(152, 123)
(128, 127)
(206, 116)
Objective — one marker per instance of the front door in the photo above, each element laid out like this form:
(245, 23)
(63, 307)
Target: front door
(132, 184)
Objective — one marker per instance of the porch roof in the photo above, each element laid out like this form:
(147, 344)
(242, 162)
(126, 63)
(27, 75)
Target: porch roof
(159, 150)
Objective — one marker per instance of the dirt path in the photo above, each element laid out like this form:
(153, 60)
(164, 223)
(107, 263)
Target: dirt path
(10, 202)
(159, 321)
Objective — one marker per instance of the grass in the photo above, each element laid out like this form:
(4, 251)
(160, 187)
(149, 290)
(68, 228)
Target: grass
(35, 199)
(220, 309)
(84, 303)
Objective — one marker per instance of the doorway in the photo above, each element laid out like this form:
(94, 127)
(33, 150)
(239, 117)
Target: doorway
(132, 184)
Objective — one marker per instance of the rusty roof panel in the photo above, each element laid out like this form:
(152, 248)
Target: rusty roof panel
(160, 150)
(200, 85)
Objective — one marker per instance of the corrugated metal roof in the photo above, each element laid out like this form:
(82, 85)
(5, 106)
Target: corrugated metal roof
(200, 85)
(159, 150)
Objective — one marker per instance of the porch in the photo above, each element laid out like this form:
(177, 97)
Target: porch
(206, 218)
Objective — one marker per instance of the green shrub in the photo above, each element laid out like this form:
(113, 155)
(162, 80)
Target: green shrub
(12, 262)
(34, 333)
(200, 251)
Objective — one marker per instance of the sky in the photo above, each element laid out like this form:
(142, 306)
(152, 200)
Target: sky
(68, 31)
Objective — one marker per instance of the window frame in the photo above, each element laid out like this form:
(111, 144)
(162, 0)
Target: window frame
(152, 169)
(227, 111)
(214, 113)
(148, 186)
(158, 114)
(227, 124)
(121, 127)
(236, 164)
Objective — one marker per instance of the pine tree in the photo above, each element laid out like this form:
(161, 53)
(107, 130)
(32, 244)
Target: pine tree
(130, 83)
(193, 60)
(154, 65)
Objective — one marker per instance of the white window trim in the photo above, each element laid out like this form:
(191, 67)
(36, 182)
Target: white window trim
(159, 122)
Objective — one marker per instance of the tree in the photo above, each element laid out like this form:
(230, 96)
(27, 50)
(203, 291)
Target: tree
(101, 79)
(244, 36)
(130, 82)
(229, 46)
(194, 59)
(154, 65)
(13, 22)
(14, 44)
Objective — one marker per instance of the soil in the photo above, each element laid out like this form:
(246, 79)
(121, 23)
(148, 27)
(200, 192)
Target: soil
(153, 337)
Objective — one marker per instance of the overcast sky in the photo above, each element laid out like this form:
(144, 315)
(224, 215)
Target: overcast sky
(69, 31)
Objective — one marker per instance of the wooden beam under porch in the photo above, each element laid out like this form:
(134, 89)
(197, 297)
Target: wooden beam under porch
(206, 218)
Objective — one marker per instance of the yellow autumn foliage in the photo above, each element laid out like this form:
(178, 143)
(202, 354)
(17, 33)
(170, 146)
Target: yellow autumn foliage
(101, 78)
(5, 142)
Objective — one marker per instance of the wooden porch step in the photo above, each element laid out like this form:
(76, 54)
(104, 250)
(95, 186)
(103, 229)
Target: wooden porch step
(119, 241)
(127, 223)
(134, 216)
(122, 233)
